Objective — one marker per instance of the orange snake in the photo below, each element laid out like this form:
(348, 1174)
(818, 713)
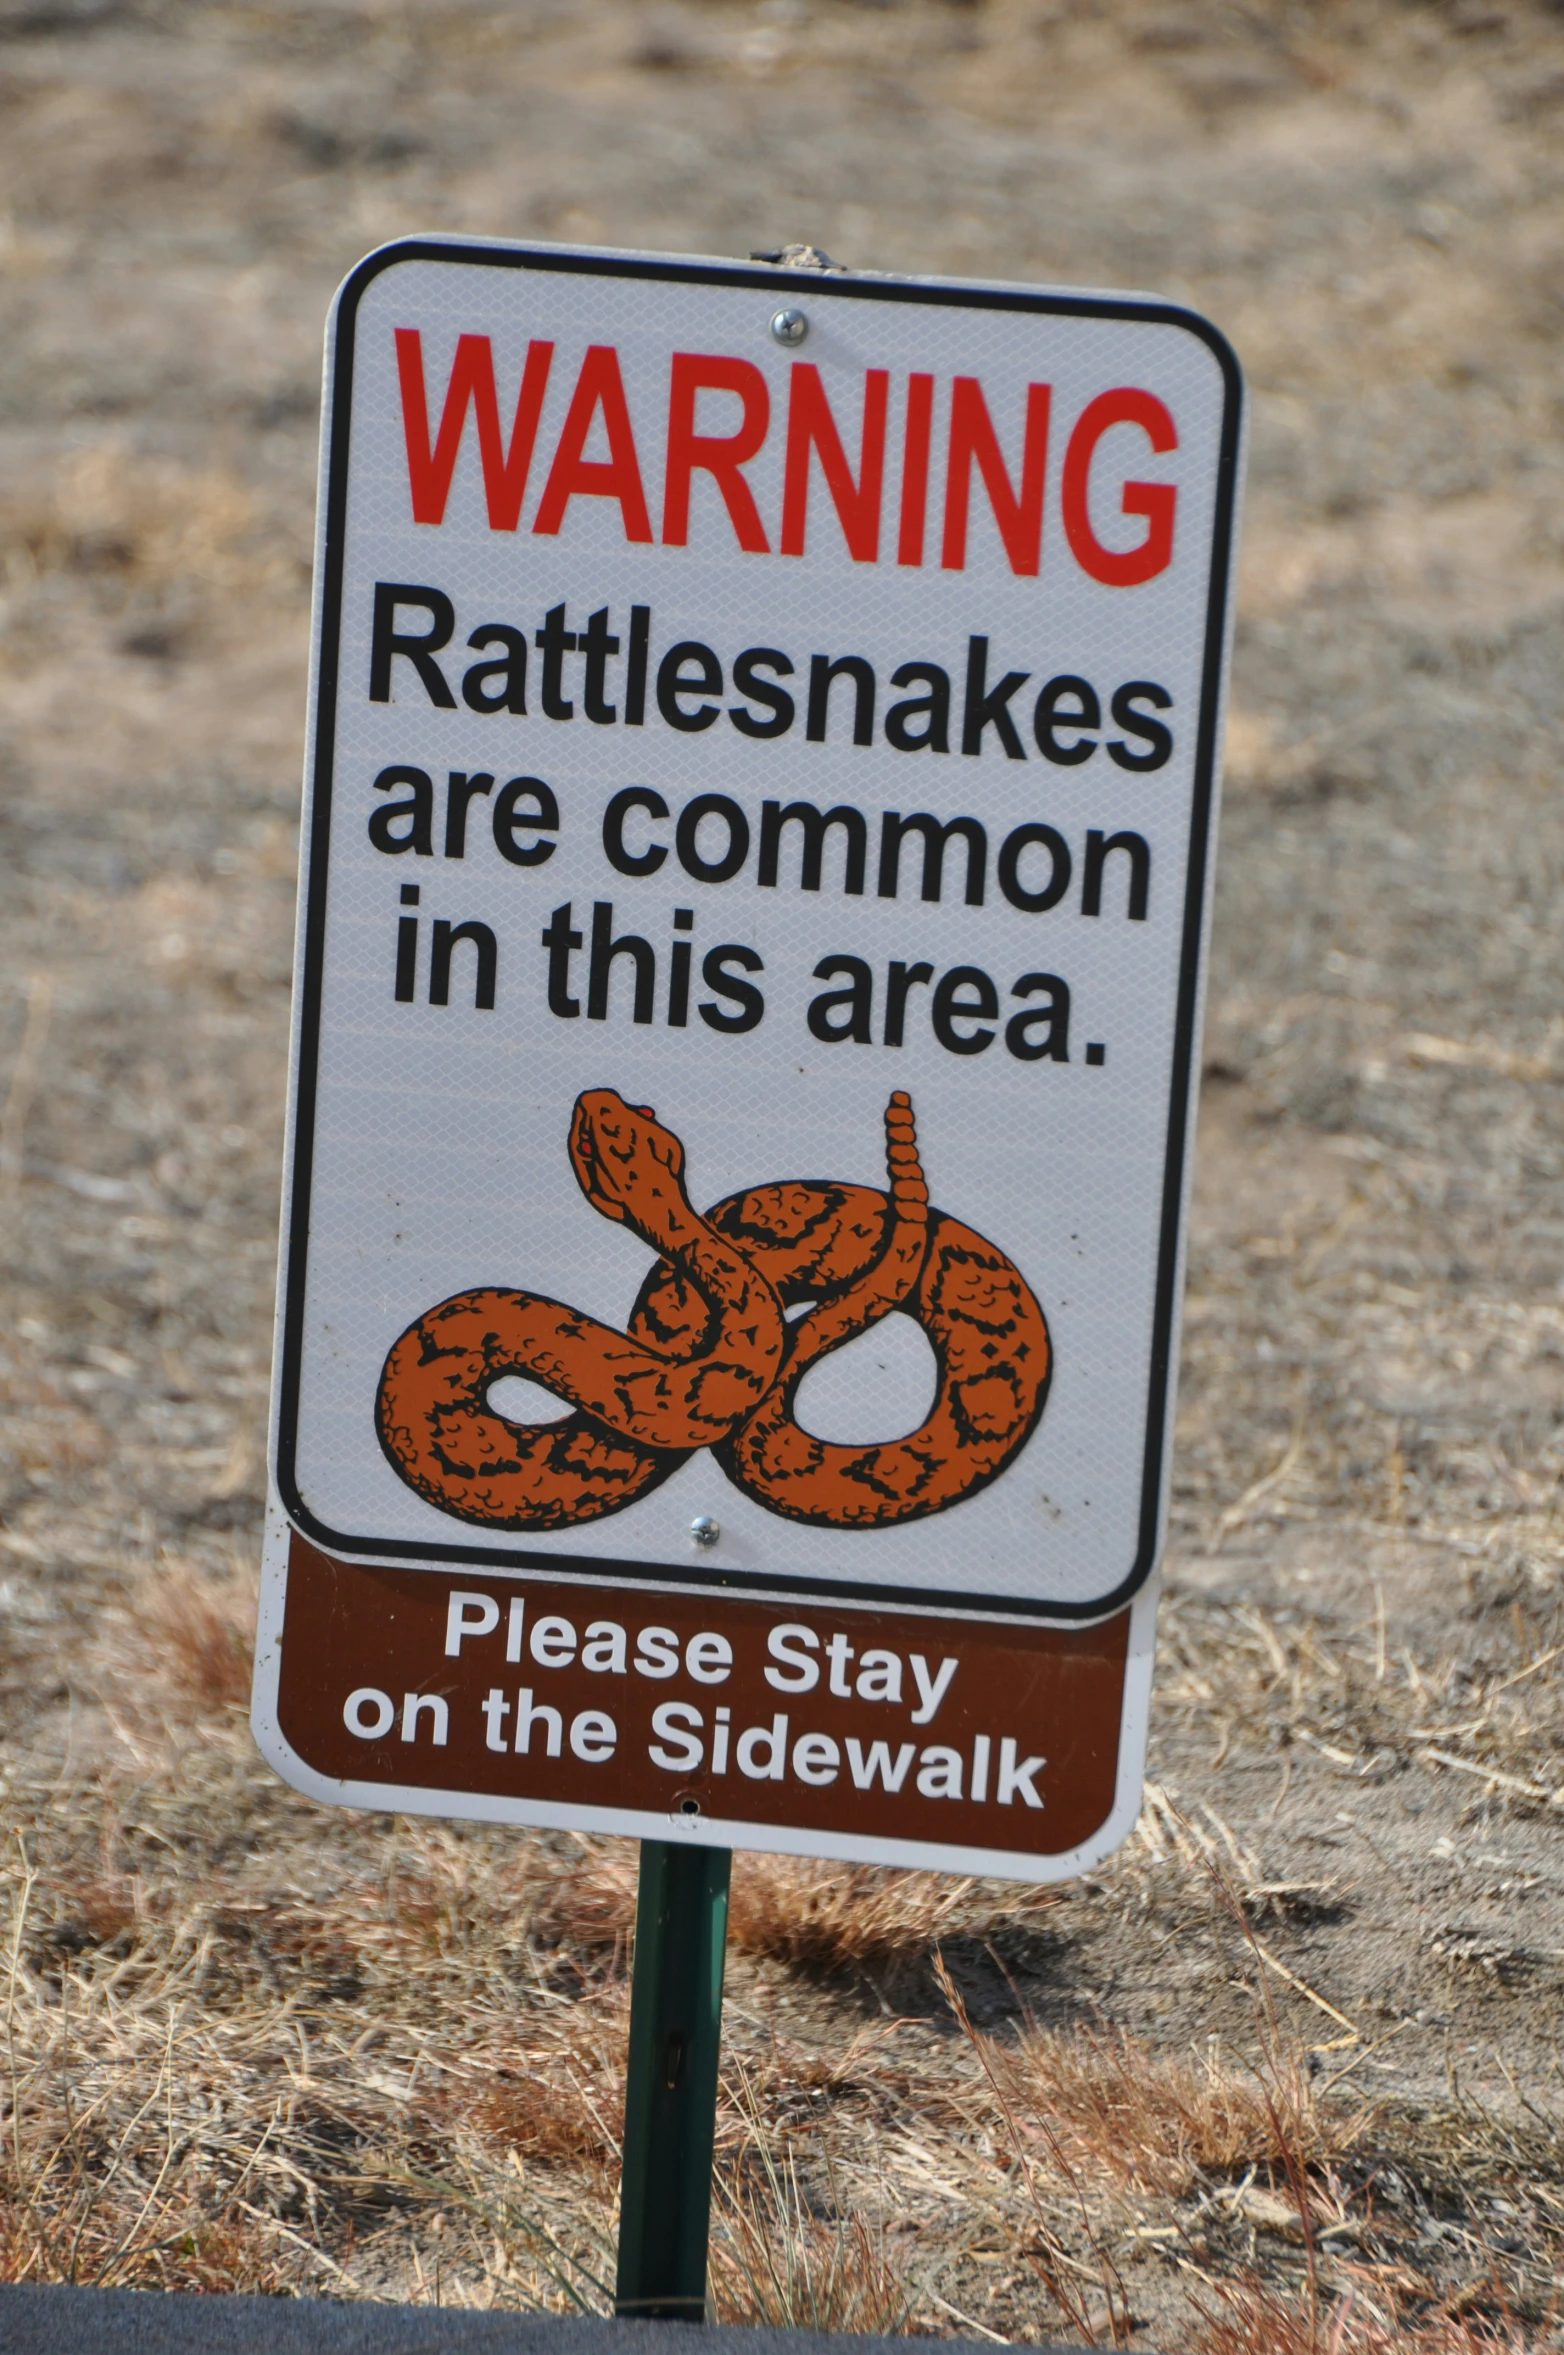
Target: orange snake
(711, 1359)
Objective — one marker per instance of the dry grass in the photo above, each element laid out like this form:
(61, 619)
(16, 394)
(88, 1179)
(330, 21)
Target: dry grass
(589, 1906)
(299, 2067)
(869, 1918)
(244, 2061)
(1246, 2318)
(155, 545)
(541, 2120)
(240, 2062)
(1161, 2122)
(1490, 1717)
(217, 2088)
(777, 2263)
(817, 1917)
(198, 1638)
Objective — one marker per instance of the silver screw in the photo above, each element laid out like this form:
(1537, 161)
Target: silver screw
(704, 1531)
(790, 327)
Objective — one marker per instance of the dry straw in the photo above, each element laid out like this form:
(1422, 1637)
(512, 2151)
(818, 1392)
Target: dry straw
(238, 2056)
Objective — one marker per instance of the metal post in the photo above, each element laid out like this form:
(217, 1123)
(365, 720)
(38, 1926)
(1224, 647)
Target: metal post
(681, 1931)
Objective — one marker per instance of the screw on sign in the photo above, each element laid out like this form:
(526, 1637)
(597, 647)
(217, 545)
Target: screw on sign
(759, 821)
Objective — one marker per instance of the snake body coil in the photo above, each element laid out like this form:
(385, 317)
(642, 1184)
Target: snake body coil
(710, 1357)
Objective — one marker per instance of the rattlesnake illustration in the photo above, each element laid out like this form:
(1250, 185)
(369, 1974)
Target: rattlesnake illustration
(710, 1357)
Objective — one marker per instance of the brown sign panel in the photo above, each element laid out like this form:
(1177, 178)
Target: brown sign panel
(796, 1724)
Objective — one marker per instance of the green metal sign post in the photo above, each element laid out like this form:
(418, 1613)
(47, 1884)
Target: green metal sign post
(681, 1930)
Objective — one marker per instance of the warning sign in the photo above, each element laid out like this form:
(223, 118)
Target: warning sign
(760, 813)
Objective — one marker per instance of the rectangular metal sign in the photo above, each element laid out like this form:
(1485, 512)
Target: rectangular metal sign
(760, 809)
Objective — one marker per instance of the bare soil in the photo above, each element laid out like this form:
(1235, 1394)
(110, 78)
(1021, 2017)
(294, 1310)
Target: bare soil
(309, 2051)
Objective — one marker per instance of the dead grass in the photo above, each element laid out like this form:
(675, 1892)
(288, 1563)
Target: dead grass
(1163, 2122)
(238, 2066)
(1247, 2318)
(152, 543)
(1491, 1717)
(588, 1908)
(214, 2088)
(552, 2117)
(827, 1917)
(200, 1635)
(219, 2089)
(238, 2062)
(817, 1917)
(778, 2264)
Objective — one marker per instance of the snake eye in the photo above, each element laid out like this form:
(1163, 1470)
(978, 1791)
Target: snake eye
(645, 1110)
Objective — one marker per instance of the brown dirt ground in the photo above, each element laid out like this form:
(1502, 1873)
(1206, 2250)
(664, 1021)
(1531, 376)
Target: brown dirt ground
(350, 2055)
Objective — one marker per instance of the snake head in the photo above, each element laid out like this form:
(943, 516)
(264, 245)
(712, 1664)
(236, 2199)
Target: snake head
(624, 1159)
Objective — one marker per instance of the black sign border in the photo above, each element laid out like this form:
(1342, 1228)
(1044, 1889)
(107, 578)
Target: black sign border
(337, 434)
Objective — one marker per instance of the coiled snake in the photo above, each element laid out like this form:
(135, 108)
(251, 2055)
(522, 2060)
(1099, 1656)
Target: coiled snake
(710, 1357)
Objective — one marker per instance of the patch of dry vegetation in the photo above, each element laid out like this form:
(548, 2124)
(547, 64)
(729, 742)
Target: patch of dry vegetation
(197, 1638)
(1491, 1716)
(868, 1918)
(305, 2065)
(818, 1917)
(1254, 2320)
(785, 2259)
(157, 547)
(1230, 2150)
(1161, 2122)
(239, 2058)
